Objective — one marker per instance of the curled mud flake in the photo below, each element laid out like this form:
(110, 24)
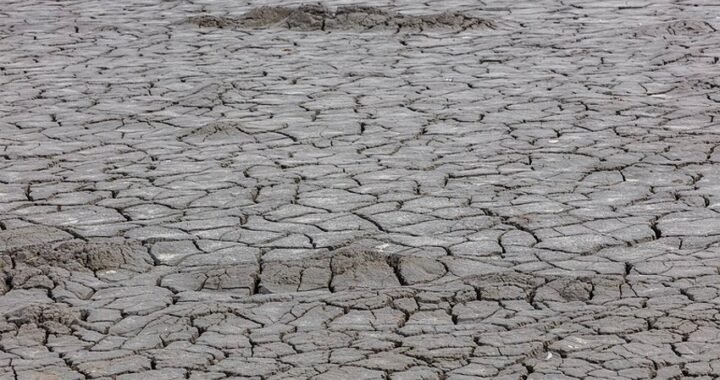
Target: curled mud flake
(207, 21)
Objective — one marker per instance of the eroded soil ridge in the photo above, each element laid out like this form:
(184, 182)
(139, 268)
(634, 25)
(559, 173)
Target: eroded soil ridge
(313, 17)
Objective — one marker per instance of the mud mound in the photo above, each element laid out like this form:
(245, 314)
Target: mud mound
(313, 17)
(222, 132)
(235, 279)
(505, 285)
(5, 279)
(264, 16)
(55, 318)
(45, 265)
(565, 290)
(343, 269)
(689, 27)
(418, 270)
(31, 235)
(79, 255)
(678, 28)
(295, 276)
(361, 269)
(207, 21)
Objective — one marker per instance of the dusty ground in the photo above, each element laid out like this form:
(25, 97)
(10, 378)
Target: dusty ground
(451, 190)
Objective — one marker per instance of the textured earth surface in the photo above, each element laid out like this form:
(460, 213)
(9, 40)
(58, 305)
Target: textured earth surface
(441, 190)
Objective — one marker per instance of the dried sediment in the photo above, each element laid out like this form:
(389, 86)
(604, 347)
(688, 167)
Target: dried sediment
(536, 203)
(83, 255)
(313, 17)
(45, 265)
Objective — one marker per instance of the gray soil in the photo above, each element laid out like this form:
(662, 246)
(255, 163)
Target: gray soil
(423, 195)
(314, 17)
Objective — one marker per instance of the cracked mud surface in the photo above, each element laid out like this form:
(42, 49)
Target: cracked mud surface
(306, 192)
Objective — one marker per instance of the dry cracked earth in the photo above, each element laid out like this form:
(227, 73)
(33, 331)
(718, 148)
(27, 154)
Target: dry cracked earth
(399, 190)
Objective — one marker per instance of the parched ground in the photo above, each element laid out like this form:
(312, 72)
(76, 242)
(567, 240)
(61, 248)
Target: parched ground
(441, 190)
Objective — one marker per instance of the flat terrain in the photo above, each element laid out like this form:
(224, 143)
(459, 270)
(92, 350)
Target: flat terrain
(441, 190)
